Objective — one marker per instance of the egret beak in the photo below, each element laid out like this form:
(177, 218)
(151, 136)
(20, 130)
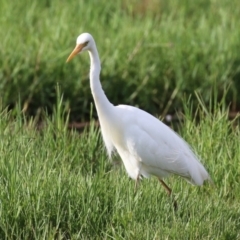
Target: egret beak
(75, 51)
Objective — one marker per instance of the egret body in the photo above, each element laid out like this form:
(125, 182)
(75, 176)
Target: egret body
(145, 144)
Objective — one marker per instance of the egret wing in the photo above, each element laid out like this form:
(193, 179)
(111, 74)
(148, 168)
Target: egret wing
(160, 150)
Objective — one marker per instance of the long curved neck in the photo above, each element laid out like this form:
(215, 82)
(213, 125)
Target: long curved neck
(102, 103)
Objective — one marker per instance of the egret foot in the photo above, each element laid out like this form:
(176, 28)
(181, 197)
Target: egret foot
(169, 191)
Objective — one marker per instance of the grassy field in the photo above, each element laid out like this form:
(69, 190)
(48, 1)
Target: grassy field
(153, 52)
(59, 184)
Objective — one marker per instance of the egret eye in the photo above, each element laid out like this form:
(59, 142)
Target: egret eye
(145, 144)
(85, 44)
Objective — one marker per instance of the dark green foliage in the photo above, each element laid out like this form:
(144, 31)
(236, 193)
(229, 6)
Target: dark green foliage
(153, 52)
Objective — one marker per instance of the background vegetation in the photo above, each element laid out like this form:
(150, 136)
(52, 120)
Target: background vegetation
(58, 184)
(153, 52)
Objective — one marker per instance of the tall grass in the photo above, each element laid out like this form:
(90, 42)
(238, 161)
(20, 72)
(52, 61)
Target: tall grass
(57, 184)
(153, 52)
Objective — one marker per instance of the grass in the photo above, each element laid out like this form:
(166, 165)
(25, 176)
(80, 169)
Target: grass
(153, 52)
(58, 184)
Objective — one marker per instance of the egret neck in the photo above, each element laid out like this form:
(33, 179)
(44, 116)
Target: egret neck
(104, 107)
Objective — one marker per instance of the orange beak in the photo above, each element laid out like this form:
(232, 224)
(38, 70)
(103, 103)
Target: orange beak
(75, 51)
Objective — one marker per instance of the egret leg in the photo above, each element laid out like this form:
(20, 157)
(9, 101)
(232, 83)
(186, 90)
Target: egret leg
(136, 184)
(169, 191)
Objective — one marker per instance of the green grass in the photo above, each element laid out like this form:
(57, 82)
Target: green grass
(153, 52)
(57, 183)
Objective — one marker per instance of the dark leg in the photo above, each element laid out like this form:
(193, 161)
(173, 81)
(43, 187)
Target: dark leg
(169, 191)
(136, 184)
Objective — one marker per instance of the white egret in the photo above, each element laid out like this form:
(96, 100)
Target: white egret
(145, 144)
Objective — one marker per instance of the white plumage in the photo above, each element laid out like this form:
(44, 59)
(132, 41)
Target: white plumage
(145, 145)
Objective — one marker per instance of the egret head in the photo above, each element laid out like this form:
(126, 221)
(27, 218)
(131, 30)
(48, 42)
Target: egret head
(84, 43)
